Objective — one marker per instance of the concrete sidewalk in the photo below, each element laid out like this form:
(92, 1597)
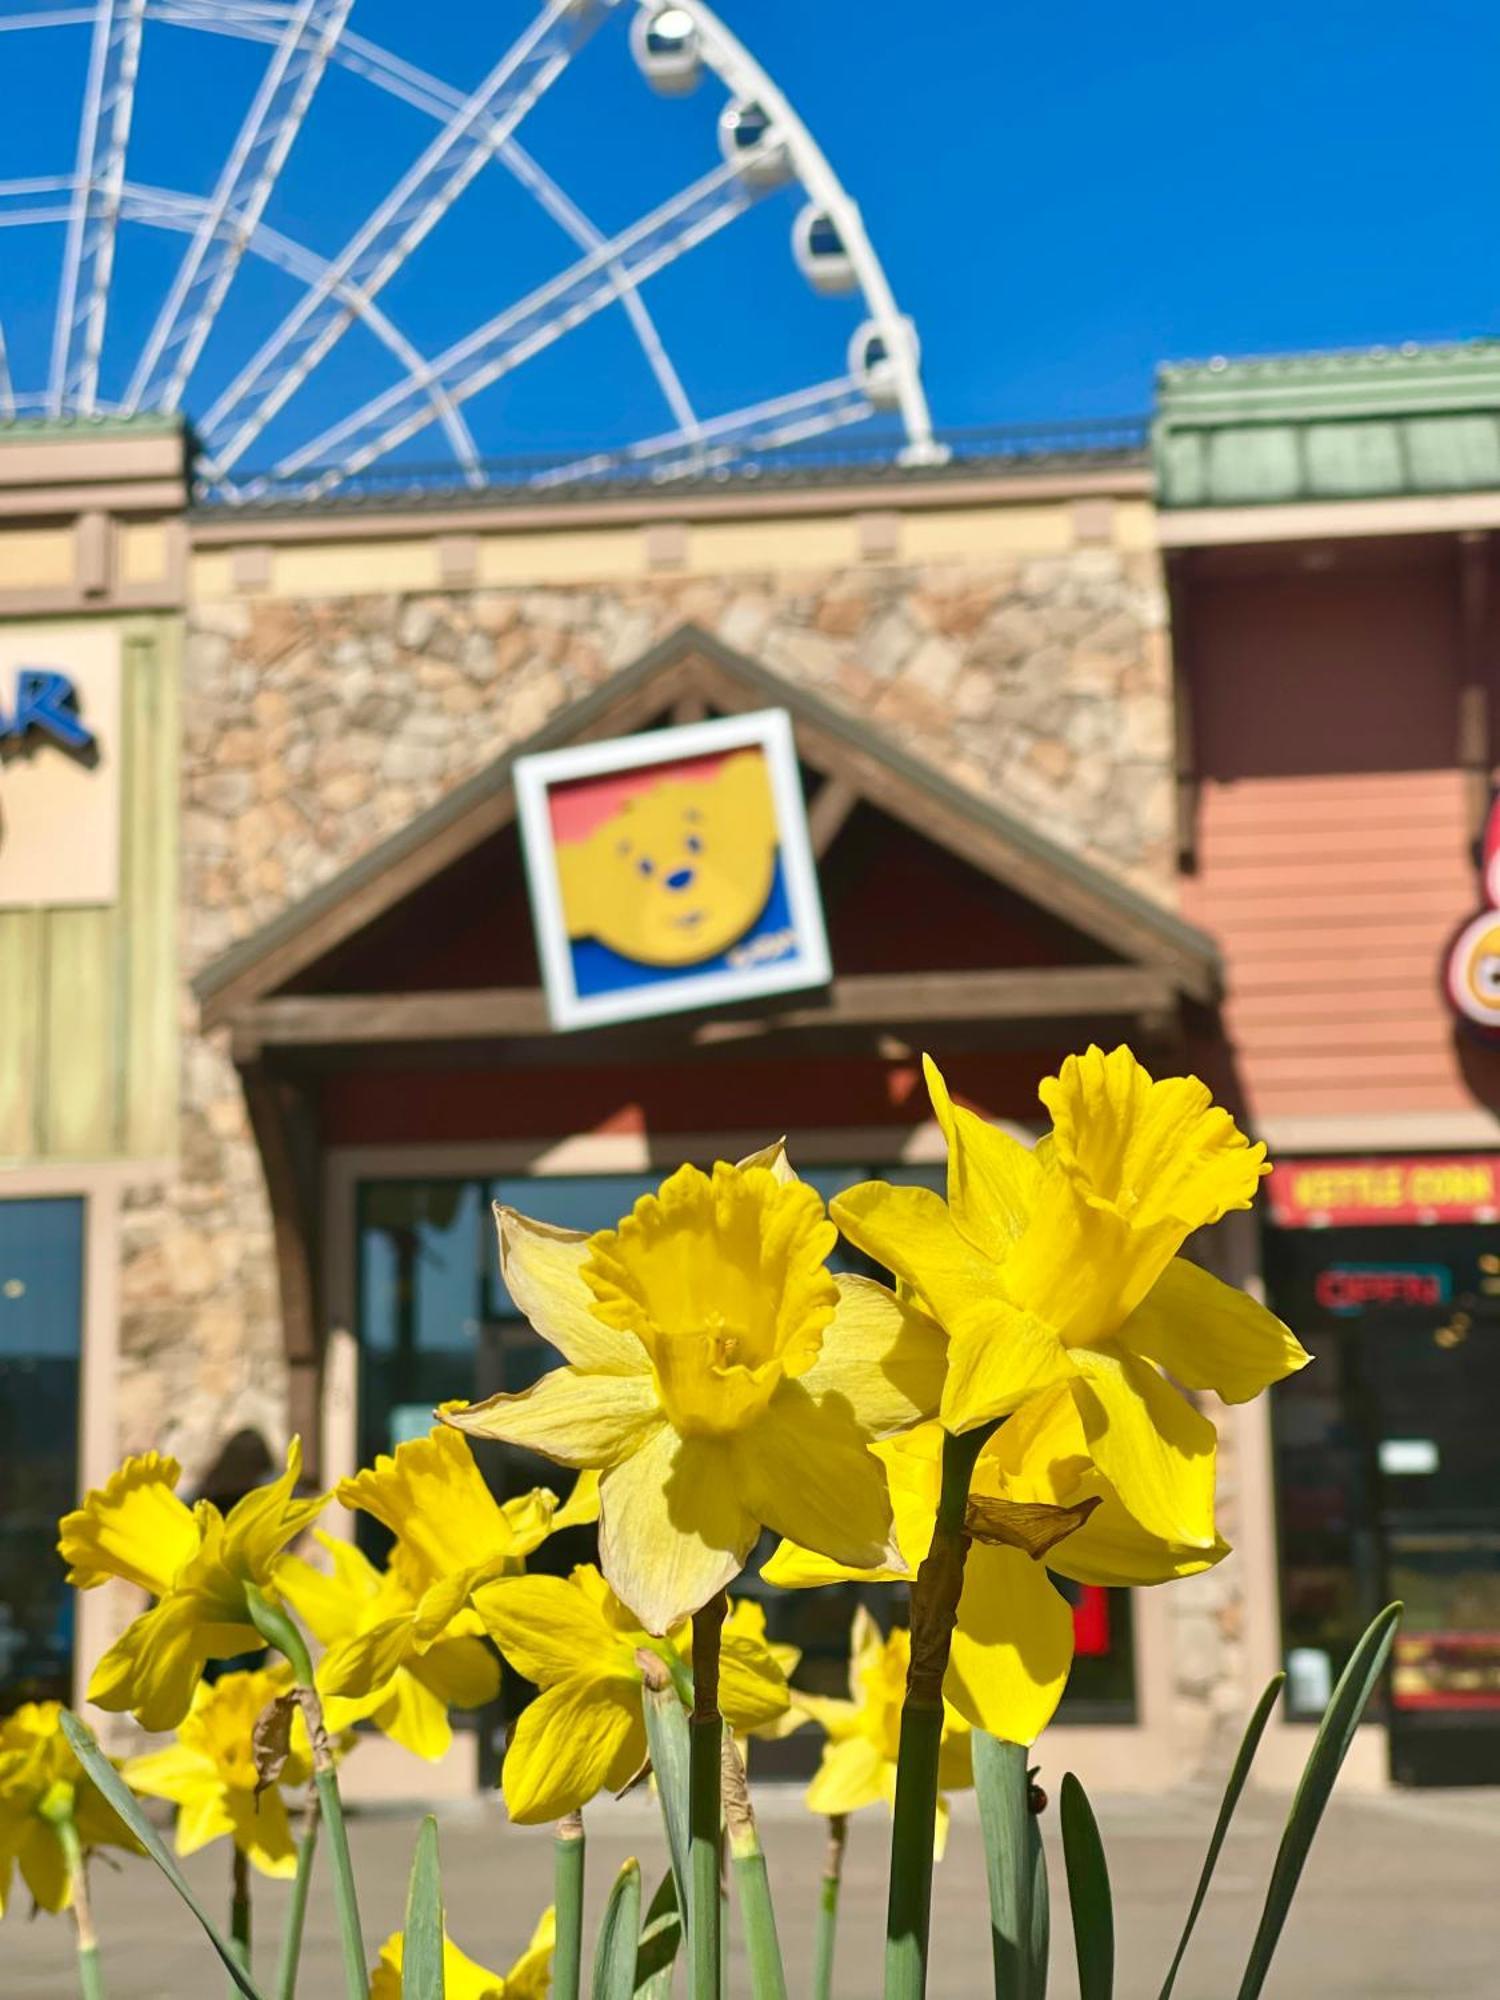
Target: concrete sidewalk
(1400, 1899)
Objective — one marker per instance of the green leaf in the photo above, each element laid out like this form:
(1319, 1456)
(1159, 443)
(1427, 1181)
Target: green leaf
(422, 1944)
(661, 1940)
(667, 1738)
(118, 1793)
(1088, 1894)
(1357, 1683)
(1040, 1941)
(1244, 1758)
(1002, 1786)
(619, 1937)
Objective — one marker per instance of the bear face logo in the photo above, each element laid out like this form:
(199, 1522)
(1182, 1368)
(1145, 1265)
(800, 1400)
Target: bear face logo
(676, 873)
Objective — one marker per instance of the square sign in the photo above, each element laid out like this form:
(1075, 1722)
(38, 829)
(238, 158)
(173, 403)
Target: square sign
(59, 764)
(671, 870)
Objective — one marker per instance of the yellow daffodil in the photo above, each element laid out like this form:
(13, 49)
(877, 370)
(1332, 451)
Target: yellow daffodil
(1059, 1265)
(864, 1734)
(456, 1671)
(40, 1779)
(586, 1730)
(746, 1625)
(530, 1978)
(195, 1561)
(718, 1376)
(452, 1537)
(209, 1772)
(1013, 1644)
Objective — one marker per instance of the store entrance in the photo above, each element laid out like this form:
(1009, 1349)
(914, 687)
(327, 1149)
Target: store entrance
(1434, 1389)
(1386, 1480)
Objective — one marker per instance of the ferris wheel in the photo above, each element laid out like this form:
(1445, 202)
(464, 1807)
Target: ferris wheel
(279, 412)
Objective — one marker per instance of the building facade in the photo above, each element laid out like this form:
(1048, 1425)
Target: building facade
(260, 1078)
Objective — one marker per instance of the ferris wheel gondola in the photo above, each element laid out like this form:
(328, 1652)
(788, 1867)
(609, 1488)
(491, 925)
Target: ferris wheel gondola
(763, 147)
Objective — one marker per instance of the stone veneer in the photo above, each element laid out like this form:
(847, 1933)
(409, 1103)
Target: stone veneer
(314, 729)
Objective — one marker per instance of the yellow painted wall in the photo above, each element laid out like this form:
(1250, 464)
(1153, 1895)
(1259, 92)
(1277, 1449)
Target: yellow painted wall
(88, 996)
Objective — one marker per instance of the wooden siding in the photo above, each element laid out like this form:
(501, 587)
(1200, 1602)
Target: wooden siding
(1334, 897)
(88, 997)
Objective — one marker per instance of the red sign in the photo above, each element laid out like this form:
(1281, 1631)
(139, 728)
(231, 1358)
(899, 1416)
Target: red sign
(1420, 1187)
(1349, 1288)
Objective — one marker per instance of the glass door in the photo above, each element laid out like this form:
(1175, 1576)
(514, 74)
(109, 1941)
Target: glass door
(41, 1325)
(1435, 1387)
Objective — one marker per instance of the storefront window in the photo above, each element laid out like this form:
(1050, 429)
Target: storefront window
(436, 1322)
(41, 1309)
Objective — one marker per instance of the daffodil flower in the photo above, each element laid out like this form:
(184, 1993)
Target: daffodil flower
(1013, 1644)
(864, 1733)
(41, 1779)
(1058, 1265)
(586, 1730)
(530, 1978)
(452, 1537)
(718, 1376)
(195, 1561)
(209, 1772)
(457, 1670)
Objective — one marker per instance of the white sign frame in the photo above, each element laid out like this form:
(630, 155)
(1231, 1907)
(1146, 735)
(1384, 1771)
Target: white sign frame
(768, 730)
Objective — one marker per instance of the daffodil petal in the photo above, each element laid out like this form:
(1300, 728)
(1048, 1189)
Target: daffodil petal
(417, 1718)
(367, 1660)
(1152, 1446)
(263, 1834)
(203, 1819)
(547, 1628)
(542, 1268)
(259, 1526)
(805, 1470)
(752, 1688)
(576, 1739)
(1209, 1335)
(581, 1508)
(1012, 1647)
(849, 1777)
(998, 1354)
(44, 1868)
(1113, 1549)
(672, 1527)
(134, 1527)
(576, 1419)
(884, 1357)
(459, 1672)
(793, 1568)
(153, 1667)
(991, 1176)
(530, 1978)
(174, 1773)
(433, 1497)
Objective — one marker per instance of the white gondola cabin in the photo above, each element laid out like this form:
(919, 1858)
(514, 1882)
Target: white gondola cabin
(666, 47)
(751, 140)
(822, 256)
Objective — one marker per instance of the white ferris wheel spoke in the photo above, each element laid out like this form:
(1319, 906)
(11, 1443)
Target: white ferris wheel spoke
(381, 245)
(103, 134)
(212, 258)
(7, 387)
(781, 420)
(162, 208)
(523, 329)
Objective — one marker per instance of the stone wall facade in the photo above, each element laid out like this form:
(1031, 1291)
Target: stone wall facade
(315, 728)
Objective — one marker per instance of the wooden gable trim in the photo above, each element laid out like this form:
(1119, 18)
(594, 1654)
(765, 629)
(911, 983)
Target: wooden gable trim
(692, 666)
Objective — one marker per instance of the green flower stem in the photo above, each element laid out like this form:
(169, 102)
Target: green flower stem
(277, 1629)
(296, 1911)
(1003, 1781)
(90, 1972)
(239, 1911)
(567, 1894)
(934, 1608)
(705, 1739)
(828, 1907)
(748, 1861)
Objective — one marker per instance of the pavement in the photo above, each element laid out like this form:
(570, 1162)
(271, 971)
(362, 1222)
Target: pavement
(1399, 1899)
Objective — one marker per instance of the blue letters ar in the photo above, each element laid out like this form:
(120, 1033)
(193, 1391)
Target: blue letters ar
(47, 703)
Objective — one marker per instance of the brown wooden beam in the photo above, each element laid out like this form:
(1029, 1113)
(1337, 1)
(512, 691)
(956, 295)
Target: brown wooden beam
(828, 814)
(867, 999)
(282, 1123)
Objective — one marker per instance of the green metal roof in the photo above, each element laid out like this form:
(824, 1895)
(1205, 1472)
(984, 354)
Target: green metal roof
(1353, 426)
(148, 423)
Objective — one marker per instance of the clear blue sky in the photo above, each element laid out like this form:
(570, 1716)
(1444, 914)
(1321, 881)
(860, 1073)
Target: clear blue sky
(1063, 197)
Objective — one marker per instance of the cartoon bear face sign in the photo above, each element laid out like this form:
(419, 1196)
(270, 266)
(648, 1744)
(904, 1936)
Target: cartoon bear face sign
(678, 870)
